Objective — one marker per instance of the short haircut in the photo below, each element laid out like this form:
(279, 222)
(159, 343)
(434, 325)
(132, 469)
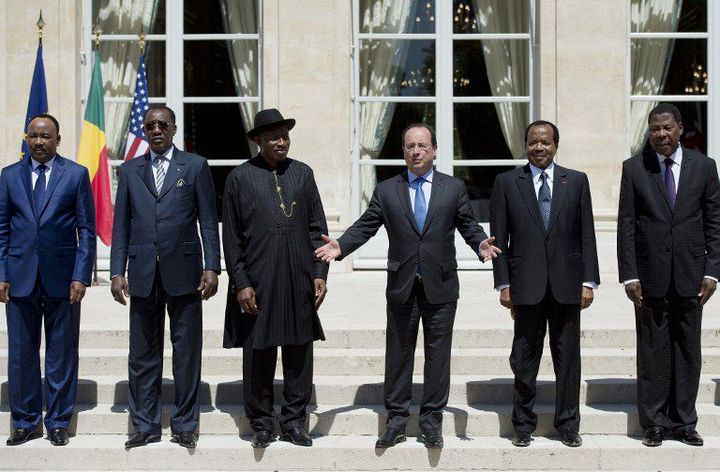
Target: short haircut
(160, 106)
(49, 117)
(556, 131)
(663, 108)
(430, 129)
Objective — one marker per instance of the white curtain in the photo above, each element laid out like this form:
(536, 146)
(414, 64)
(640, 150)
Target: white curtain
(650, 60)
(241, 16)
(119, 61)
(507, 65)
(381, 67)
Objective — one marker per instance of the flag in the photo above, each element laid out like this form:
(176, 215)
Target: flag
(136, 144)
(37, 102)
(92, 153)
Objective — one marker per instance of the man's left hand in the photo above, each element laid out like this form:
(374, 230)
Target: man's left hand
(487, 250)
(707, 288)
(77, 292)
(208, 284)
(587, 297)
(320, 291)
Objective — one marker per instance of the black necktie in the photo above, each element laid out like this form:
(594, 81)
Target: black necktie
(39, 190)
(544, 199)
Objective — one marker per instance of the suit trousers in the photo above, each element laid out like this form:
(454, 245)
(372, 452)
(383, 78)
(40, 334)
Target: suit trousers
(25, 318)
(403, 321)
(258, 375)
(145, 361)
(531, 323)
(668, 360)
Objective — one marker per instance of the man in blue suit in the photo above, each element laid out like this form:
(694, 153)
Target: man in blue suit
(47, 249)
(161, 198)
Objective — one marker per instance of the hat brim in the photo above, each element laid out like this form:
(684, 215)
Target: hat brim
(290, 123)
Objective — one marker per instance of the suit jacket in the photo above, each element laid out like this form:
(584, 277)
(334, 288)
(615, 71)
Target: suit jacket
(59, 243)
(658, 244)
(432, 247)
(152, 229)
(565, 255)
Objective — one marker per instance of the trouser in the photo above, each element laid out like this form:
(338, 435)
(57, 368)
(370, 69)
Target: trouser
(531, 322)
(668, 360)
(258, 375)
(403, 321)
(25, 318)
(145, 361)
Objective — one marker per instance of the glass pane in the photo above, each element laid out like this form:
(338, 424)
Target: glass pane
(663, 16)
(208, 125)
(217, 17)
(119, 67)
(221, 68)
(694, 118)
(485, 68)
(146, 16)
(490, 130)
(383, 16)
(479, 182)
(397, 67)
(491, 16)
(382, 124)
(682, 63)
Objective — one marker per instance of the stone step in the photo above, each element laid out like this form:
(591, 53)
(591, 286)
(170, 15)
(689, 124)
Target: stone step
(367, 390)
(613, 452)
(465, 361)
(460, 420)
(463, 337)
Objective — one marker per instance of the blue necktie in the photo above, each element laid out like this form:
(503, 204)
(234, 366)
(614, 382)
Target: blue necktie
(420, 207)
(544, 199)
(670, 181)
(39, 190)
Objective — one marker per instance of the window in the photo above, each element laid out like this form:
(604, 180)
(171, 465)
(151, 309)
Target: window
(202, 60)
(462, 66)
(670, 61)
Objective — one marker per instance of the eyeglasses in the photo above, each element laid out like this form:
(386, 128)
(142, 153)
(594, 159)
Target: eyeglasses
(150, 125)
(420, 146)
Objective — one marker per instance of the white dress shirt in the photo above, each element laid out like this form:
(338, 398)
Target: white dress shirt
(36, 173)
(426, 187)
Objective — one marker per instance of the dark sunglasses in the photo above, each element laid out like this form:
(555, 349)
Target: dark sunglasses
(150, 125)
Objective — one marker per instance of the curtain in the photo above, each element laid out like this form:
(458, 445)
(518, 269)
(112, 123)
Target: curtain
(507, 65)
(119, 61)
(241, 16)
(650, 60)
(382, 63)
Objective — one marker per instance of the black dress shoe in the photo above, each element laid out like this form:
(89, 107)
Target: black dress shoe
(297, 436)
(653, 436)
(185, 439)
(262, 439)
(571, 438)
(58, 437)
(433, 439)
(390, 437)
(20, 436)
(689, 436)
(141, 439)
(521, 439)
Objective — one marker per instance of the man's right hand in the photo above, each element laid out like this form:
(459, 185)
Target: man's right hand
(119, 289)
(4, 292)
(246, 300)
(506, 301)
(330, 251)
(634, 293)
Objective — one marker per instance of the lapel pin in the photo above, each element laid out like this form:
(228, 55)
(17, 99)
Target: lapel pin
(180, 183)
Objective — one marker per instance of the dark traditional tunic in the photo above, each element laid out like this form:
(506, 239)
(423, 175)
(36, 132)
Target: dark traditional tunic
(273, 253)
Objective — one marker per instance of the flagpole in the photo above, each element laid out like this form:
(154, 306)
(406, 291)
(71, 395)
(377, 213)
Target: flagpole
(40, 24)
(98, 32)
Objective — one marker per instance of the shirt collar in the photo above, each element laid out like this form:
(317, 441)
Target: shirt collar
(428, 176)
(549, 170)
(48, 164)
(676, 156)
(168, 154)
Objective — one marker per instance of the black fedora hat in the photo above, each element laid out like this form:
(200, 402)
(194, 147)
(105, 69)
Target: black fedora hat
(266, 119)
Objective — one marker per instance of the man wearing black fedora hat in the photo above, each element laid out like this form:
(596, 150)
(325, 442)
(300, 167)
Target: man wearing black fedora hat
(273, 220)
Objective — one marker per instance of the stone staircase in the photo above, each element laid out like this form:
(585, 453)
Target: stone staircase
(346, 412)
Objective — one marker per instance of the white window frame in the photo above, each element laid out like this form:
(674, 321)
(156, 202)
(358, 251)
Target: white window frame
(444, 102)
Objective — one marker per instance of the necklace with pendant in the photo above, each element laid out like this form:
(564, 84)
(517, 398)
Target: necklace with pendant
(278, 189)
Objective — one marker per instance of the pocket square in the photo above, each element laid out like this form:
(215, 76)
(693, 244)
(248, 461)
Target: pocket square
(181, 183)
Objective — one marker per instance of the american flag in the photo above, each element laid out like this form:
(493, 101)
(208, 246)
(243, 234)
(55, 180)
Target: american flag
(136, 144)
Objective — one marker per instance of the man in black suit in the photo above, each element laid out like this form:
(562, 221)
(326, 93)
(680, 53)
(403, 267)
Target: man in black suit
(541, 217)
(162, 198)
(669, 261)
(421, 209)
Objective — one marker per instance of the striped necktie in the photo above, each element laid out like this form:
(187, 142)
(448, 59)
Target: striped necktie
(159, 172)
